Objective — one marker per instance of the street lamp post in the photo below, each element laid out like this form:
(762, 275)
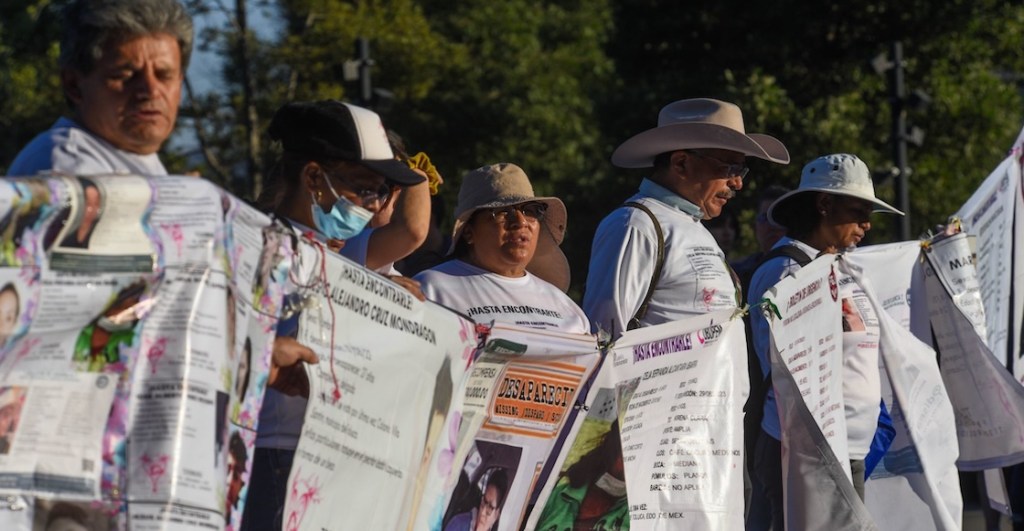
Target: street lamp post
(898, 92)
(899, 102)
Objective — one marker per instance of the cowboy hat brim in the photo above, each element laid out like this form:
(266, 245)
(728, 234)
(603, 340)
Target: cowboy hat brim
(549, 262)
(640, 150)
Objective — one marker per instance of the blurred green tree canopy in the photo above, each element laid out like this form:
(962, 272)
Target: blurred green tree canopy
(555, 86)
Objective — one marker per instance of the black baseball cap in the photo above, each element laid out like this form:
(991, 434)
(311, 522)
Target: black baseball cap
(338, 130)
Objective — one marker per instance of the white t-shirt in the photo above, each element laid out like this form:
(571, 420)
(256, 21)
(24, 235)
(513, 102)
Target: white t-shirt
(695, 277)
(67, 147)
(485, 296)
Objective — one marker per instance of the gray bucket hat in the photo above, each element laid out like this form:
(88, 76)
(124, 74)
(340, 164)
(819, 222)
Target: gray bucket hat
(505, 184)
(840, 174)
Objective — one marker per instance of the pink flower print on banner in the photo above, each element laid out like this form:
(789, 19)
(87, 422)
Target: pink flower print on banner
(24, 349)
(468, 336)
(177, 236)
(305, 492)
(447, 457)
(155, 468)
(155, 352)
(708, 296)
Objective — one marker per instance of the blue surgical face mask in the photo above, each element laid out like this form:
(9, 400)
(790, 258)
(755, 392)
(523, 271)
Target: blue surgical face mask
(345, 220)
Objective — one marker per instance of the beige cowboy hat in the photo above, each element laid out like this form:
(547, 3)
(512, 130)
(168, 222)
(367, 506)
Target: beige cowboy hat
(840, 174)
(697, 123)
(505, 184)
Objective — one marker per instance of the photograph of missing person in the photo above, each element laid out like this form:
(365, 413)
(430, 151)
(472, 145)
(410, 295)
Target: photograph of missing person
(484, 483)
(237, 457)
(244, 368)
(28, 210)
(53, 515)
(89, 213)
(591, 488)
(267, 263)
(12, 399)
(10, 311)
(241, 386)
(220, 427)
(852, 321)
(443, 389)
(99, 343)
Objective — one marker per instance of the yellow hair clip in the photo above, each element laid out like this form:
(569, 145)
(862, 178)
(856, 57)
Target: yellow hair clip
(421, 161)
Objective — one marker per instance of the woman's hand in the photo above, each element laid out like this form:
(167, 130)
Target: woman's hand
(412, 286)
(287, 374)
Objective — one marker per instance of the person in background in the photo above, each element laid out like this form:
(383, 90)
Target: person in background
(765, 232)
(505, 261)
(652, 261)
(122, 63)
(724, 229)
(828, 213)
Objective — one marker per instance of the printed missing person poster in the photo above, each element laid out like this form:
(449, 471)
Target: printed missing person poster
(377, 398)
(987, 401)
(994, 215)
(812, 313)
(102, 226)
(522, 389)
(680, 389)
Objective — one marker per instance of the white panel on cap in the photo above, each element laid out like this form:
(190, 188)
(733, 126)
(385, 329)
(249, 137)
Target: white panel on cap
(372, 137)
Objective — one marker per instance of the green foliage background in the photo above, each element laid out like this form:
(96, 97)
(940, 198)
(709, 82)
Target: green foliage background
(554, 86)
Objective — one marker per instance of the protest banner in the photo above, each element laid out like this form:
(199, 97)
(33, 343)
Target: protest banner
(127, 329)
(378, 397)
(899, 282)
(808, 314)
(915, 485)
(589, 466)
(987, 401)
(680, 389)
(522, 389)
(995, 214)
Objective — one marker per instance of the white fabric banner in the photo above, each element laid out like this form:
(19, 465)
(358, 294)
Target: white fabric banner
(895, 270)
(988, 402)
(383, 357)
(806, 317)
(916, 485)
(993, 214)
(681, 389)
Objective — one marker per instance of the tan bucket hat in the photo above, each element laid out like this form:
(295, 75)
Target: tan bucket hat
(839, 173)
(505, 184)
(698, 123)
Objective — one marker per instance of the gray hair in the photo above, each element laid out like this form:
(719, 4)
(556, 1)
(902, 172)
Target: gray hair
(89, 25)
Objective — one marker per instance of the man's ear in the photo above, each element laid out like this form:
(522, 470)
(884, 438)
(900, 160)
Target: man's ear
(677, 161)
(70, 81)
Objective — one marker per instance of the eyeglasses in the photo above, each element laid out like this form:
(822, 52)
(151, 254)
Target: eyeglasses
(366, 194)
(724, 168)
(533, 212)
(369, 194)
(486, 507)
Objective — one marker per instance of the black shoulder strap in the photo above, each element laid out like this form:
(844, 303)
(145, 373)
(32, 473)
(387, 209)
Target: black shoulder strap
(758, 389)
(642, 311)
(788, 251)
